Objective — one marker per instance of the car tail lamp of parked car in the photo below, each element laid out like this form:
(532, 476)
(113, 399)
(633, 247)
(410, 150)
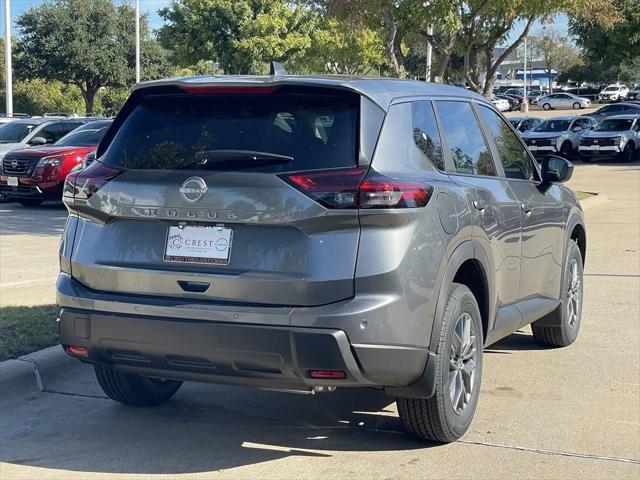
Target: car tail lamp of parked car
(358, 188)
(85, 183)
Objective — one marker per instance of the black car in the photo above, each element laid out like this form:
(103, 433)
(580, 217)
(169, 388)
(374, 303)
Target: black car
(622, 108)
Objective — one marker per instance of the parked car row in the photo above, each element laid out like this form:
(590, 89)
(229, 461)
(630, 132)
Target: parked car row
(617, 136)
(37, 154)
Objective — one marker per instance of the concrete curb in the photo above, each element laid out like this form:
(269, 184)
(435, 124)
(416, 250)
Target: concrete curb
(31, 374)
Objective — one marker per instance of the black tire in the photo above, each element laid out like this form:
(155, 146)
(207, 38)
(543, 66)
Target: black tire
(627, 154)
(576, 106)
(135, 390)
(546, 106)
(28, 202)
(566, 150)
(436, 419)
(559, 329)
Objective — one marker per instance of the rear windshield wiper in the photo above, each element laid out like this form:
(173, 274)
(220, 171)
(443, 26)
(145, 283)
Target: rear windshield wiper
(220, 156)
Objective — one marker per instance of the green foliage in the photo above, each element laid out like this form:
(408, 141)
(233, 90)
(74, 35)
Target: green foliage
(610, 53)
(110, 100)
(242, 35)
(38, 96)
(341, 48)
(87, 43)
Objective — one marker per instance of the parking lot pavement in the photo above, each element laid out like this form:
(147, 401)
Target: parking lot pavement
(538, 112)
(543, 413)
(29, 253)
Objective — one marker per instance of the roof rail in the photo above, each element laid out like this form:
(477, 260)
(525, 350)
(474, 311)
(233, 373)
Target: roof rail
(277, 70)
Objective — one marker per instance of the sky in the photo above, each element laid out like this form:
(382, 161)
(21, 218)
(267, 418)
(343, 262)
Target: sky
(152, 6)
(149, 6)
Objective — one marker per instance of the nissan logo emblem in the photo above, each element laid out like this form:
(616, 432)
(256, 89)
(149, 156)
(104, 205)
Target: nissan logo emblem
(595, 141)
(193, 189)
(14, 163)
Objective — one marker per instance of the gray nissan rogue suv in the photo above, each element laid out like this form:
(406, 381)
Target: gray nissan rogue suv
(311, 233)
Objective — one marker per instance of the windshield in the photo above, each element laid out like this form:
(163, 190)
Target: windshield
(612, 89)
(178, 131)
(15, 132)
(553, 126)
(515, 123)
(614, 125)
(83, 137)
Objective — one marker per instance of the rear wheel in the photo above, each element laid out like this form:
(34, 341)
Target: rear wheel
(446, 416)
(29, 202)
(136, 390)
(560, 328)
(546, 106)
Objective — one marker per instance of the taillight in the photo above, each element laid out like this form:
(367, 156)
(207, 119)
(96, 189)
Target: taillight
(378, 191)
(330, 188)
(85, 183)
(355, 188)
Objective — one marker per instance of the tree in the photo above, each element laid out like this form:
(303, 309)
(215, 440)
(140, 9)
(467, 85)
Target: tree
(242, 35)
(486, 24)
(611, 51)
(86, 43)
(556, 51)
(341, 48)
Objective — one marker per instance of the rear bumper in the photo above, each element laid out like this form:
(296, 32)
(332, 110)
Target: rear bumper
(270, 352)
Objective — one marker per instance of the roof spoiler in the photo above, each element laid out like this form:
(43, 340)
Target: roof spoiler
(277, 70)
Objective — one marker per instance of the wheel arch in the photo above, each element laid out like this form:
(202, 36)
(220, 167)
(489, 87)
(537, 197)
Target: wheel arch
(466, 268)
(578, 233)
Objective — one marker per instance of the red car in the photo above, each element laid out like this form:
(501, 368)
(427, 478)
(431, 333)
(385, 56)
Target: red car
(33, 175)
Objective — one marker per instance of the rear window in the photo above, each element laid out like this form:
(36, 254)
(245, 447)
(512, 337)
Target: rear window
(266, 133)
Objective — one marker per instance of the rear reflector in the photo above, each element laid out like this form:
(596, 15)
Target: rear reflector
(86, 182)
(77, 351)
(328, 374)
(357, 188)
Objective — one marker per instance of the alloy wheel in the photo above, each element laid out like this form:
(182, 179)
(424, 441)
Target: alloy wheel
(574, 294)
(463, 362)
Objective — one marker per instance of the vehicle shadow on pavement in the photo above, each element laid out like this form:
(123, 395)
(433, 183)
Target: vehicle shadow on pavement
(204, 428)
(47, 219)
(516, 341)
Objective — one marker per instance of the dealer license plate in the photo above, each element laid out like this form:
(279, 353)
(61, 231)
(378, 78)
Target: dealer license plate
(198, 244)
(12, 181)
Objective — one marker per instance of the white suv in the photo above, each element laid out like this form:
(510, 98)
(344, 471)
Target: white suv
(613, 93)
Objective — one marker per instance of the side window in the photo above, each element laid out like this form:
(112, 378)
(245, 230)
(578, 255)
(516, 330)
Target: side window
(460, 127)
(513, 154)
(54, 132)
(425, 133)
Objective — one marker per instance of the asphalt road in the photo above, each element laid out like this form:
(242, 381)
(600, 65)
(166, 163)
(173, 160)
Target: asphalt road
(543, 413)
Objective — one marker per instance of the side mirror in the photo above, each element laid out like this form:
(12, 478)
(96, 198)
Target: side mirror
(37, 141)
(555, 170)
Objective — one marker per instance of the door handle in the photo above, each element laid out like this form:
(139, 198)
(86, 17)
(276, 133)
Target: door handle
(479, 205)
(526, 208)
(194, 287)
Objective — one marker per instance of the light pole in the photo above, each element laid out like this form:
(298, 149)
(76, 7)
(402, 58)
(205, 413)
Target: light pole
(7, 59)
(137, 40)
(524, 106)
(427, 77)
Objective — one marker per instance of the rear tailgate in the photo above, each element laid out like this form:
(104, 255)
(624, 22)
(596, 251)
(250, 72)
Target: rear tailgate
(277, 245)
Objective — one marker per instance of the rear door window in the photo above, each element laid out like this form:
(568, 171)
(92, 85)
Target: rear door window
(211, 132)
(469, 151)
(425, 133)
